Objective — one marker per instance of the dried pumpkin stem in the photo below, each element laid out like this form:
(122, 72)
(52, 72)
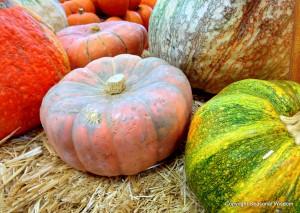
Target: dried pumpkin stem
(80, 11)
(293, 126)
(115, 84)
(95, 29)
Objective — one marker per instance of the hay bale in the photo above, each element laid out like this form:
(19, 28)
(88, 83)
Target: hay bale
(35, 179)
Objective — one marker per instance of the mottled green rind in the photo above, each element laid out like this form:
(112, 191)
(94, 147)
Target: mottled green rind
(228, 138)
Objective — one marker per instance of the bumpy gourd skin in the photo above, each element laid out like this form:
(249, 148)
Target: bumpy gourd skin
(32, 60)
(229, 137)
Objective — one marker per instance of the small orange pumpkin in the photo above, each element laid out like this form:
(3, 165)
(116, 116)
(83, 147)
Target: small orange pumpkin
(114, 18)
(85, 43)
(72, 6)
(118, 115)
(145, 12)
(113, 7)
(82, 18)
(133, 16)
(150, 3)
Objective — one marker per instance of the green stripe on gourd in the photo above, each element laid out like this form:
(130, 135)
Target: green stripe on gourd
(239, 150)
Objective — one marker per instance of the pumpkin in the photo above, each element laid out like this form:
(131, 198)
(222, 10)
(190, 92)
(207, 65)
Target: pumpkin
(85, 43)
(114, 7)
(150, 3)
(32, 61)
(216, 44)
(118, 115)
(133, 4)
(50, 11)
(83, 18)
(145, 12)
(133, 16)
(113, 18)
(243, 145)
(72, 6)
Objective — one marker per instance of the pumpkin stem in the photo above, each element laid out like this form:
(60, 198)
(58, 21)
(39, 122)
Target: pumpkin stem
(80, 10)
(95, 29)
(115, 84)
(293, 126)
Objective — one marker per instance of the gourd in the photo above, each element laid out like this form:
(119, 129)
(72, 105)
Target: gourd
(85, 43)
(118, 115)
(50, 11)
(32, 61)
(243, 148)
(217, 43)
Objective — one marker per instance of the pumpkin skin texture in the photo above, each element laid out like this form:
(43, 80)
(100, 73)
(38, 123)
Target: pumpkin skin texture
(85, 43)
(133, 16)
(32, 61)
(240, 150)
(145, 12)
(218, 42)
(121, 134)
(113, 7)
(50, 11)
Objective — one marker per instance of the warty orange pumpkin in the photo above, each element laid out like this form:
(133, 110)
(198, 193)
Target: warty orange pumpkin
(85, 43)
(118, 115)
(32, 60)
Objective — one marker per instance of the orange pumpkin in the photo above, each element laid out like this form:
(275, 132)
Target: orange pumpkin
(72, 6)
(32, 60)
(133, 4)
(133, 16)
(150, 3)
(145, 12)
(118, 115)
(85, 43)
(113, 7)
(82, 18)
(114, 18)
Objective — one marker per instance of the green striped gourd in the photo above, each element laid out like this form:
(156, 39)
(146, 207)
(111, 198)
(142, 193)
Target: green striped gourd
(243, 148)
(217, 42)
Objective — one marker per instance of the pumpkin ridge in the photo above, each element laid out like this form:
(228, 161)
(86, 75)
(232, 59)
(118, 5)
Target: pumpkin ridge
(121, 39)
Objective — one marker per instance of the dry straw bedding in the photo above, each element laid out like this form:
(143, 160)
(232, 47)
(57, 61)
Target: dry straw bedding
(34, 179)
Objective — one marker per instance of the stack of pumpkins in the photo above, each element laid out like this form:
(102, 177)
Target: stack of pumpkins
(90, 11)
(108, 111)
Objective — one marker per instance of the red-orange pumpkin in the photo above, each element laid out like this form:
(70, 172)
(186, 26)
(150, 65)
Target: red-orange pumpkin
(85, 43)
(32, 60)
(113, 7)
(82, 17)
(121, 127)
(133, 4)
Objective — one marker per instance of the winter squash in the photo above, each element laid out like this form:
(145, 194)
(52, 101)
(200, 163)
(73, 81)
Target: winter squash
(82, 18)
(118, 115)
(243, 148)
(72, 6)
(113, 18)
(32, 61)
(50, 11)
(150, 3)
(216, 44)
(85, 43)
(133, 16)
(145, 12)
(114, 7)
(133, 4)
